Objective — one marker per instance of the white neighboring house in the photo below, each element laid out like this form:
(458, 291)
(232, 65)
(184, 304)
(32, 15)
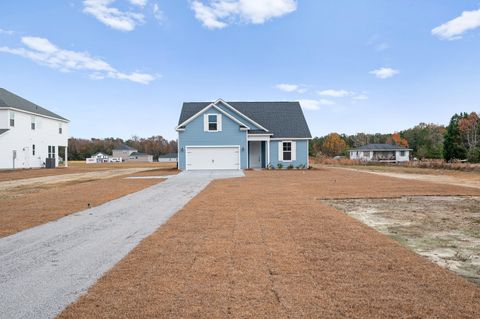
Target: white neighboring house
(101, 157)
(29, 134)
(385, 153)
(169, 157)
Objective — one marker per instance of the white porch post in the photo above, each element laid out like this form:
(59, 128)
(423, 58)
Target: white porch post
(66, 156)
(268, 152)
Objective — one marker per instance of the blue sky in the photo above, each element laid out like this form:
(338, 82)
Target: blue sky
(124, 67)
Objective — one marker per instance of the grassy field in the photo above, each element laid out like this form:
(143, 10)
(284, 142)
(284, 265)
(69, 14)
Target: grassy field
(269, 246)
(32, 197)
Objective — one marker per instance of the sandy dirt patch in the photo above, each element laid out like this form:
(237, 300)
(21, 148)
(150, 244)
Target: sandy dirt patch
(467, 179)
(265, 246)
(35, 204)
(445, 229)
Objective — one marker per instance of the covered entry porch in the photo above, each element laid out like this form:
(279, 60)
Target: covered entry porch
(258, 150)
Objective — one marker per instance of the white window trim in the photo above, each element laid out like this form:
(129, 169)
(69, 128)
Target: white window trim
(292, 158)
(179, 127)
(207, 122)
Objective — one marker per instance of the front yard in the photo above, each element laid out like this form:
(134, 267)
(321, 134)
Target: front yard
(269, 246)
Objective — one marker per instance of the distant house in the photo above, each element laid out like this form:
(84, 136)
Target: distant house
(140, 157)
(101, 157)
(385, 153)
(170, 157)
(30, 135)
(123, 151)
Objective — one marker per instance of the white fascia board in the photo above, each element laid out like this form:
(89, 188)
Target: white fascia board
(36, 114)
(290, 138)
(204, 110)
(240, 113)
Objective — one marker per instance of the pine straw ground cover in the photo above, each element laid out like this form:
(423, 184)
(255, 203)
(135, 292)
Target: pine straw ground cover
(265, 246)
(29, 206)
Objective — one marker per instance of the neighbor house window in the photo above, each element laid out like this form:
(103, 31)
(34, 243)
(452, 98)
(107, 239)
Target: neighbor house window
(32, 125)
(212, 122)
(33, 149)
(402, 153)
(287, 151)
(366, 154)
(51, 151)
(12, 119)
(60, 129)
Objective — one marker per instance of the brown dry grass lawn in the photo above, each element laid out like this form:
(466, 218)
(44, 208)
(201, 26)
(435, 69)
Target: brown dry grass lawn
(25, 207)
(265, 246)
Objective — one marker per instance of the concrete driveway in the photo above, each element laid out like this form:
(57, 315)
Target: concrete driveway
(45, 268)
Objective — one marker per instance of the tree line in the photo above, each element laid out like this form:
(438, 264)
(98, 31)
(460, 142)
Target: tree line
(460, 140)
(80, 149)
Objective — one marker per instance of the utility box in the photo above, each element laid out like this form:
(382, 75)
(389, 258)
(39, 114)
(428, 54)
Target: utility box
(50, 163)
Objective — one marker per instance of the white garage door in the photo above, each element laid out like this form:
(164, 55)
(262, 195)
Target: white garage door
(213, 157)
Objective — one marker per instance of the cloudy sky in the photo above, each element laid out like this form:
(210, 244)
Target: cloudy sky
(124, 67)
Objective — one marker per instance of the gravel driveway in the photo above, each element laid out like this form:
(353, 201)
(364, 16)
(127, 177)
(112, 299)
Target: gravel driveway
(45, 268)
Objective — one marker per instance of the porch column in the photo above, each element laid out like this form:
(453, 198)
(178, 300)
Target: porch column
(268, 152)
(66, 156)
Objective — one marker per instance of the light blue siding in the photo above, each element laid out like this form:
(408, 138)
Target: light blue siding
(194, 135)
(228, 110)
(302, 154)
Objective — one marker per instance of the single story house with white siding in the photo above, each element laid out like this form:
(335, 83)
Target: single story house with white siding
(385, 153)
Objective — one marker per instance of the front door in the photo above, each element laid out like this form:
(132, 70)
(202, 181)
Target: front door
(255, 154)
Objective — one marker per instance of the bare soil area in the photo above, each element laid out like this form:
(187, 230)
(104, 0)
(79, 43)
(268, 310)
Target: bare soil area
(445, 229)
(265, 246)
(30, 205)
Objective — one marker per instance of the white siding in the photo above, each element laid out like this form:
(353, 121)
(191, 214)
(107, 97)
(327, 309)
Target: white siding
(21, 138)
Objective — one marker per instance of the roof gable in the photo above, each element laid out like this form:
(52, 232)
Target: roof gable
(10, 100)
(205, 109)
(283, 119)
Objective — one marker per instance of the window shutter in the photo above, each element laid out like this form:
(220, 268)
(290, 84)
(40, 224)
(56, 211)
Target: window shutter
(280, 150)
(294, 151)
(219, 122)
(205, 122)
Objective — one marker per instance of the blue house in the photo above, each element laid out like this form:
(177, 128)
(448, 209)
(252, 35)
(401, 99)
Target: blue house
(240, 135)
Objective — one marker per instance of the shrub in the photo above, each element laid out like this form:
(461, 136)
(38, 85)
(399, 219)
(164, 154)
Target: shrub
(270, 166)
(290, 166)
(279, 166)
(473, 155)
(301, 166)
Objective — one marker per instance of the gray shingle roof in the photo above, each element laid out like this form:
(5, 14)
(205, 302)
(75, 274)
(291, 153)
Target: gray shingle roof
(3, 130)
(169, 155)
(124, 147)
(379, 147)
(139, 154)
(8, 99)
(283, 119)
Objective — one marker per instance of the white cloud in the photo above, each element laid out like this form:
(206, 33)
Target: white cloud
(384, 73)
(454, 29)
(42, 51)
(314, 105)
(140, 3)
(8, 32)
(218, 14)
(158, 13)
(334, 93)
(113, 17)
(360, 97)
(291, 87)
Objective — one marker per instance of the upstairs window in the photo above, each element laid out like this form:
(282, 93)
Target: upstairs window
(60, 129)
(32, 125)
(287, 151)
(212, 122)
(12, 119)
